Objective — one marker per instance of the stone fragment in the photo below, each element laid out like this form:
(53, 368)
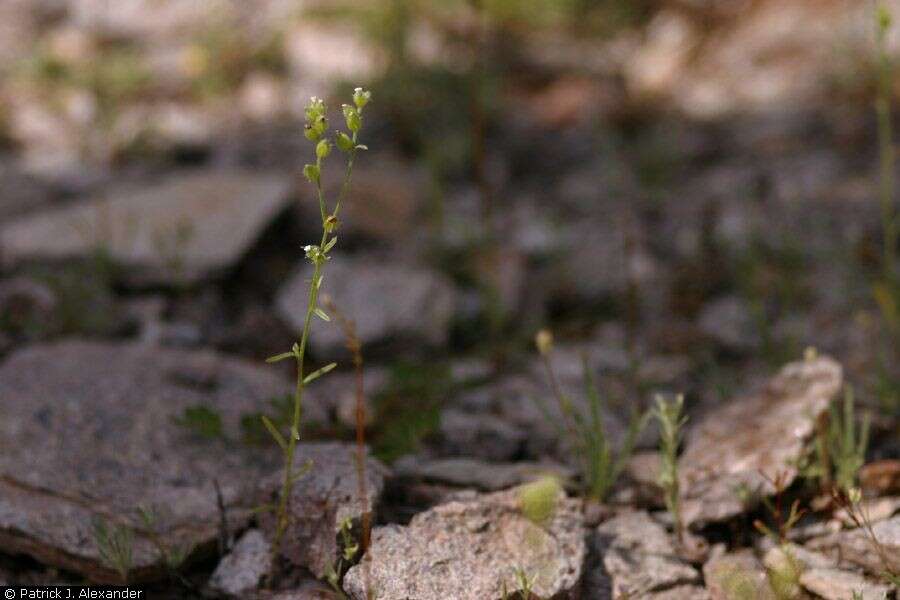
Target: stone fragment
(640, 557)
(881, 476)
(89, 436)
(242, 570)
(737, 575)
(481, 436)
(386, 301)
(729, 322)
(467, 549)
(836, 584)
(181, 230)
(729, 450)
(474, 473)
(323, 497)
(855, 546)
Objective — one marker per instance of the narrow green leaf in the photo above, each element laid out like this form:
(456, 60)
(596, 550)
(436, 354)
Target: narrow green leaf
(275, 433)
(316, 374)
(280, 357)
(321, 314)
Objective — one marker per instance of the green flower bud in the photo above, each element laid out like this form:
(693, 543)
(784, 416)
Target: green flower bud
(361, 97)
(884, 19)
(320, 125)
(311, 133)
(343, 141)
(323, 149)
(351, 115)
(544, 341)
(311, 172)
(315, 109)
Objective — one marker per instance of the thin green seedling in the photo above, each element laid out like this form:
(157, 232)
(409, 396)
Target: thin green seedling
(349, 550)
(315, 130)
(601, 464)
(171, 557)
(115, 543)
(783, 521)
(840, 446)
(886, 150)
(355, 347)
(671, 423)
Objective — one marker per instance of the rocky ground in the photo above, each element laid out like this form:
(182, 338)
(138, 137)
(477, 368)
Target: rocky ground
(636, 199)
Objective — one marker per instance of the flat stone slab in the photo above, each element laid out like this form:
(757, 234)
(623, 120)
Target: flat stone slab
(326, 495)
(87, 437)
(466, 549)
(640, 557)
(763, 433)
(183, 229)
(475, 473)
(385, 300)
(836, 584)
(855, 547)
(737, 575)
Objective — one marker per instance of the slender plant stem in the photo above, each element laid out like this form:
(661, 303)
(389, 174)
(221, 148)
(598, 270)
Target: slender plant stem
(887, 156)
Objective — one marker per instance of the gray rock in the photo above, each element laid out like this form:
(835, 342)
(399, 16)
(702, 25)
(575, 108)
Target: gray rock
(242, 570)
(737, 575)
(468, 472)
(324, 497)
(680, 592)
(481, 436)
(28, 307)
(875, 509)
(730, 323)
(182, 230)
(794, 556)
(640, 557)
(467, 549)
(856, 547)
(88, 435)
(384, 299)
(836, 584)
(720, 459)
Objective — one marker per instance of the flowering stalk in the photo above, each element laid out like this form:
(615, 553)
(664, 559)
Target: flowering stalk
(315, 131)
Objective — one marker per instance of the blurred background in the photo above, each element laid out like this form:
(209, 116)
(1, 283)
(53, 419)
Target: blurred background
(686, 190)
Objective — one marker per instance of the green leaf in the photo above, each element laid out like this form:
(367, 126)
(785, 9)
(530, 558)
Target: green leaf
(330, 244)
(321, 314)
(274, 431)
(316, 374)
(280, 357)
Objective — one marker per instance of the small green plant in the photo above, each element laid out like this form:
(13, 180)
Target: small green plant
(843, 447)
(316, 129)
(115, 543)
(886, 290)
(886, 144)
(671, 421)
(355, 347)
(524, 582)
(538, 499)
(349, 550)
(783, 522)
(601, 465)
